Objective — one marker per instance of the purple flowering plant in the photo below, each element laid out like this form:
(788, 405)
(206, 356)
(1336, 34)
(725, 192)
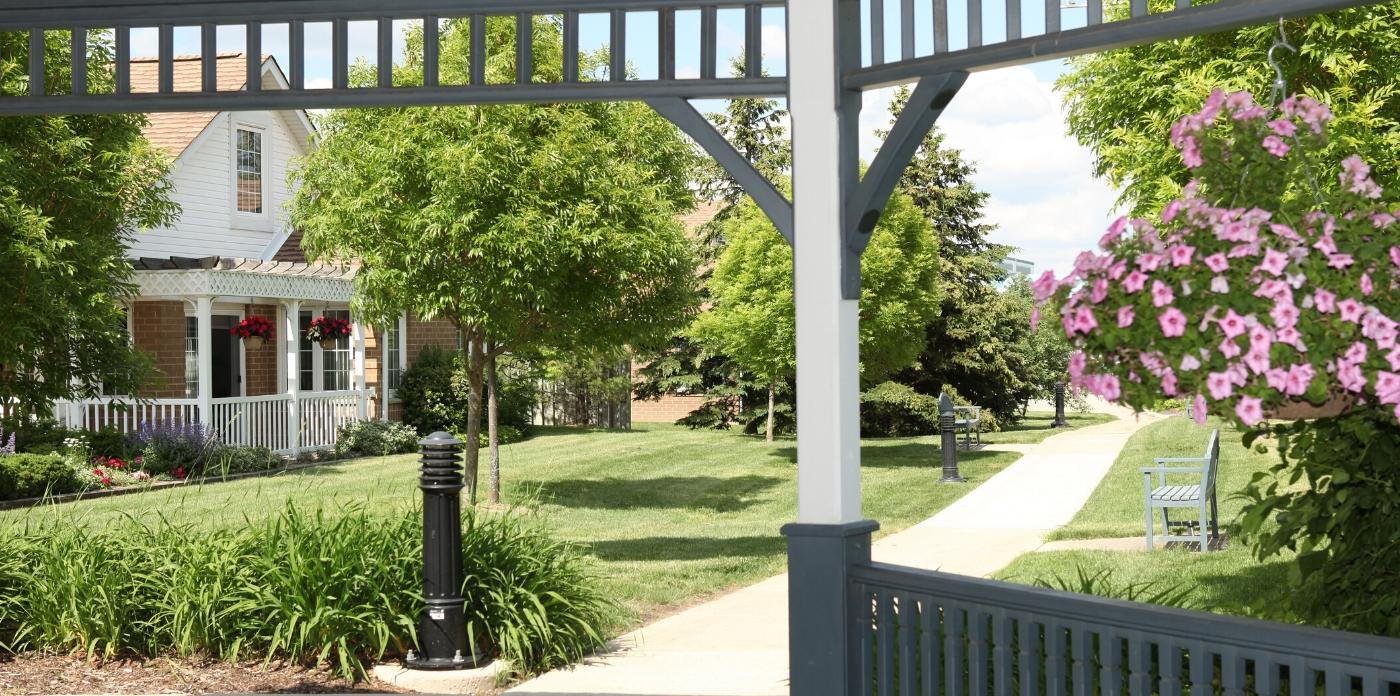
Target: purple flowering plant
(1270, 288)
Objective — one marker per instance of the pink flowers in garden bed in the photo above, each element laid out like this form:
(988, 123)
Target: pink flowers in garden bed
(1252, 291)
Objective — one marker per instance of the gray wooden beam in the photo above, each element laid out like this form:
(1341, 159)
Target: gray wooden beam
(764, 193)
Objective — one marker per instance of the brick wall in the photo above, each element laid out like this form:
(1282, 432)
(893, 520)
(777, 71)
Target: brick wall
(158, 329)
(668, 409)
(438, 332)
(261, 363)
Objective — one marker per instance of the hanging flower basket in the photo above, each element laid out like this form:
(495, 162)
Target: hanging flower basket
(255, 331)
(1270, 289)
(327, 331)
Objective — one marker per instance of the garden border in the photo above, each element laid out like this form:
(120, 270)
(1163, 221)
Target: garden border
(19, 503)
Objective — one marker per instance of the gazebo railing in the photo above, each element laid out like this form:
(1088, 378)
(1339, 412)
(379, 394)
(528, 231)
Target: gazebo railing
(924, 632)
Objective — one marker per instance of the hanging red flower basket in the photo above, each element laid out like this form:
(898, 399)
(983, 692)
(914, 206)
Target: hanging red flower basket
(327, 330)
(254, 331)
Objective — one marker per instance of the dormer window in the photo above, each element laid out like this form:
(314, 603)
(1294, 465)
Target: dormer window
(248, 157)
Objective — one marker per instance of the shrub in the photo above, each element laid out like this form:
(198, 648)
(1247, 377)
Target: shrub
(506, 434)
(40, 436)
(435, 387)
(306, 587)
(34, 475)
(226, 460)
(371, 438)
(108, 442)
(891, 409)
(174, 448)
(426, 391)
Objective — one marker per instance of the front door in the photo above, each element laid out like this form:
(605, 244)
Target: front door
(227, 358)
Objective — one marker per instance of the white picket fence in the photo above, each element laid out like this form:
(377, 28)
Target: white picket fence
(250, 421)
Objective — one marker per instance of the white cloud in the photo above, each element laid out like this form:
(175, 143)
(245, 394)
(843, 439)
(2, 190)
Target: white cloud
(1044, 198)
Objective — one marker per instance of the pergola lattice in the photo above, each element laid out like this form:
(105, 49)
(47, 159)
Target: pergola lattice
(843, 607)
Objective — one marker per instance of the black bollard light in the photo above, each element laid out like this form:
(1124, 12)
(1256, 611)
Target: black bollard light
(1060, 421)
(948, 427)
(442, 627)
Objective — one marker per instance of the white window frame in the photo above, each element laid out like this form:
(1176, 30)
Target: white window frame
(318, 362)
(401, 324)
(250, 221)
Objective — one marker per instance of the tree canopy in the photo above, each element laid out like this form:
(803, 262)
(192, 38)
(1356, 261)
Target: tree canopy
(1121, 102)
(73, 190)
(753, 321)
(526, 226)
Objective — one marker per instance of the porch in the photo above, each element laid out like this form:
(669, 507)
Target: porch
(288, 394)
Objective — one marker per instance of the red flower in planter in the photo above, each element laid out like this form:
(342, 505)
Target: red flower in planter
(327, 328)
(260, 327)
(102, 476)
(179, 473)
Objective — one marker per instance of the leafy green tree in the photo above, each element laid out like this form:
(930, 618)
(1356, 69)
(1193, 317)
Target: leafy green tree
(525, 226)
(1121, 102)
(73, 189)
(753, 320)
(978, 342)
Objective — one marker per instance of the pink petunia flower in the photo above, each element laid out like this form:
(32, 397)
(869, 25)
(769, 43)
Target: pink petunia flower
(1340, 261)
(1198, 410)
(1114, 233)
(1217, 262)
(1257, 360)
(1283, 127)
(1181, 254)
(1134, 281)
(1109, 388)
(1169, 383)
(1149, 262)
(1077, 362)
(1250, 410)
(1395, 257)
(1356, 353)
(1277, 378)
(1084, 321)
(1125, 316)
(1035, 318)
(1099, 291)
(1284, 314)
(1219, 285)
(1191, 153)
(1232, 324)
(1275, 146)
(1189, 363)
(1173, 322)
(1290, 335)
(1170, 212)
(1324, 301)
(1161, 294)
(1229, 348)
(1351, 310)
(1044, 286)
(1367, 287)
(1387, 387)
(1351, 377)
(1300, 376)
(1219, 385)
(1274, 262)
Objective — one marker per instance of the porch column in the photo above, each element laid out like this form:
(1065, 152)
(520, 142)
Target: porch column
(204, 320)
(357, 338)
(291, 332)
(829, 535)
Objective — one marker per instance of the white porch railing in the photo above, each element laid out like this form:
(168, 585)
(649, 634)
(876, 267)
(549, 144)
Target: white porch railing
(322, 414)
(250, 421)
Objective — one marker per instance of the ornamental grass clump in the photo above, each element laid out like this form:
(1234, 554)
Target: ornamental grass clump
(1268, 290)
(338, 589)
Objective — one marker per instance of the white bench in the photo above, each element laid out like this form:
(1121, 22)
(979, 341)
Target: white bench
(1198, 494)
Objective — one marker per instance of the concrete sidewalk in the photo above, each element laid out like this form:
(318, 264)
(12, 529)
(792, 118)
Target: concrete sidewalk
(737, 644)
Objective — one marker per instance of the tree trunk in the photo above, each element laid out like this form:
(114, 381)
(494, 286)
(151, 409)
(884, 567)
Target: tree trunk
(492, 434)
(768, 433)
(476, 366)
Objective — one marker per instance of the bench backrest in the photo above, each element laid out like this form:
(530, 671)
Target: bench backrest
(1212, 460)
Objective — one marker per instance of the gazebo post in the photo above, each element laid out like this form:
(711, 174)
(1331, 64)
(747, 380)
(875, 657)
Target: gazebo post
(830, 534)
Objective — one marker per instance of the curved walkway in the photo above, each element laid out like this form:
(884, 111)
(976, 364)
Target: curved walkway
(737, 644)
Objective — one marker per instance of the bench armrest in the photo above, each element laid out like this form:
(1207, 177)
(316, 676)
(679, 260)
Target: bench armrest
(1180, 460)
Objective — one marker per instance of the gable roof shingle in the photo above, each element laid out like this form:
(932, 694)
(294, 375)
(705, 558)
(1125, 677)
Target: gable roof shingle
(173, 132)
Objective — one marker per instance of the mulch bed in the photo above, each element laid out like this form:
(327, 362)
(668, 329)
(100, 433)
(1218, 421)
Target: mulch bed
(34, 673)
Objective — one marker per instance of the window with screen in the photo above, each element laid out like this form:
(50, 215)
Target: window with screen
(191, 357)
(393, 355)
(248, 153)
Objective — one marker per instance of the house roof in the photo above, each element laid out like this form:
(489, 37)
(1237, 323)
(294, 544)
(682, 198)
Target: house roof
(241, 265)
(173, 132)
(704, 212)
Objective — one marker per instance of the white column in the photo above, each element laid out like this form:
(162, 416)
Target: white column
(291, 338)
(357, 338)
(828, 389)
(384, 368)
(204, 320)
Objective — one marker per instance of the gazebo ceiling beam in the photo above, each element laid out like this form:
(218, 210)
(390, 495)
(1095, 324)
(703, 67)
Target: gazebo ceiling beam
(1145, 28)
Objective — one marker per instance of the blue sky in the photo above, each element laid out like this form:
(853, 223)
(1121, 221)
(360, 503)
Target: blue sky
(1009, 122)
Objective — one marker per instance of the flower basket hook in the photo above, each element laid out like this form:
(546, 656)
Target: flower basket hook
(1280, 82)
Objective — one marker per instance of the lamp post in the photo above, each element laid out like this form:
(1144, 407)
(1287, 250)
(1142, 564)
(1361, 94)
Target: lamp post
(1060, 421)
(948, 428)
(442, 628)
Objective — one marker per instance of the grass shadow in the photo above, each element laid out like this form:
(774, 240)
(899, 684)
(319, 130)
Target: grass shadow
(712, 493)
(660, 548)
(919, 454)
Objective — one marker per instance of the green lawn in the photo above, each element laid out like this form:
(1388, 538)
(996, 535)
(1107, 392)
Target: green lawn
(670, 514)
(1115, 508)
(1230, 581)
(1035, 427)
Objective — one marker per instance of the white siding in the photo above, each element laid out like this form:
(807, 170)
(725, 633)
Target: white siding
(203, 187)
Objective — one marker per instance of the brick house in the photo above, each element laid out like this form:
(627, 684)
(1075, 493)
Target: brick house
(230, 255)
